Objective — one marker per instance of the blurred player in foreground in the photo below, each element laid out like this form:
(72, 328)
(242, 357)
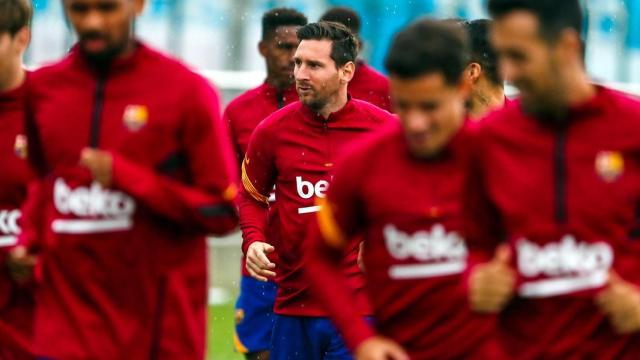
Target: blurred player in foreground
(556, 178)
(16, 300)
(135, 168)
(402, 192)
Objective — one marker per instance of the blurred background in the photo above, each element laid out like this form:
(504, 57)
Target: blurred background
(219, 38)
(223, 34)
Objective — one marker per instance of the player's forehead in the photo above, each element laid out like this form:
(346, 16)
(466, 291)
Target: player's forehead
(319, 50)
(286, 33)
(519, 27)
(95, 3)
(419, 87)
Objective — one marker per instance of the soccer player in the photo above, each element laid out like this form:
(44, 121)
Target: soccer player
(367, 84)
(16, 300)
(136, 168)
(487, 86)
(294, 149)
(401, 193)
(556, 179)
(254, 308)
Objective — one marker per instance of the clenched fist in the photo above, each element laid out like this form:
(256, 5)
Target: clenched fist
(620, 300)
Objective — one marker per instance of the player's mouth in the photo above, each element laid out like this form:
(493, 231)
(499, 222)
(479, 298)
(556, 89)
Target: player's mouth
(94, 44)
(305, 89)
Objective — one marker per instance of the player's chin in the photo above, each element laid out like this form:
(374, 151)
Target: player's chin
(306, 99)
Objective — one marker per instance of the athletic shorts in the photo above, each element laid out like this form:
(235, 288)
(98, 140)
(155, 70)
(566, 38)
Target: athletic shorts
(254, 315)
(307, 338)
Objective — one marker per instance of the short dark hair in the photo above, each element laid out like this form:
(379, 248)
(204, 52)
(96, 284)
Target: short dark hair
(345, 16)
(429, 46)
(344, 45)
(273, 19)
(15, 15)
(481, 50)
(554, 15)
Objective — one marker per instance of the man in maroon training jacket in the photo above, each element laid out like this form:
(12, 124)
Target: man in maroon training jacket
(254, 308)
(401, 192)
(16, 301)
(294, 149)
(135, 168)
(557, 179)
(367, 84)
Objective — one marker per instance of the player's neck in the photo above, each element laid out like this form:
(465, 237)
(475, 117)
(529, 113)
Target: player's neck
(129, 49)
(337, 102)
(581, 88)
(278, 84)
(486, 101)
(13, 80)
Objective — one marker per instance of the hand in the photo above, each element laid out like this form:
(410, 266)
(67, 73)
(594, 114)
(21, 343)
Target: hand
(620, 301)
(21, 264)
(491, 285)
(100, 163)
(379, 348)
(258, 264)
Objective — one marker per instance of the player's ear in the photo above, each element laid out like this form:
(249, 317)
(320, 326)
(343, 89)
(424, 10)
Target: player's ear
(262, 48)
(473, 72)
(568, 45)
(23, 37)
(347, 71)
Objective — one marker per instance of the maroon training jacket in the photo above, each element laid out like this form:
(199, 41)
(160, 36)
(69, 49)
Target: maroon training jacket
(565, 198)
(124, 268)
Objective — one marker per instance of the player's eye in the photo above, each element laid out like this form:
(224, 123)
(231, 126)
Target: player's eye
(78, 8)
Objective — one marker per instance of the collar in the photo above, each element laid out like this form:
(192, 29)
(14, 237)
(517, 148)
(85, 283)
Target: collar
(595, 105)
(333, 118)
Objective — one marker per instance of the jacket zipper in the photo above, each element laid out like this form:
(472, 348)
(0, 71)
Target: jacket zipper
(325, 131)
(560, 178)
(280, 98)
(96, 115)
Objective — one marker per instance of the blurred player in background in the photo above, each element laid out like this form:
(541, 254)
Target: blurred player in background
(487, 86)
(135, 167)
(402, 192)
(294, 149)
(254, 308)
(557, 178)
(367, 84)
(16, 301)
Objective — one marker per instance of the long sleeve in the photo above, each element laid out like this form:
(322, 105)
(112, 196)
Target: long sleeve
(228, 119)
(206, 202)
(482, 226)
(258, 179)
(331, 237)
(32, 219)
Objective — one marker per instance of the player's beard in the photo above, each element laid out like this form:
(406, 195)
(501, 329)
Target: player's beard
(102, 60)
(546, 108)
(316, 103)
